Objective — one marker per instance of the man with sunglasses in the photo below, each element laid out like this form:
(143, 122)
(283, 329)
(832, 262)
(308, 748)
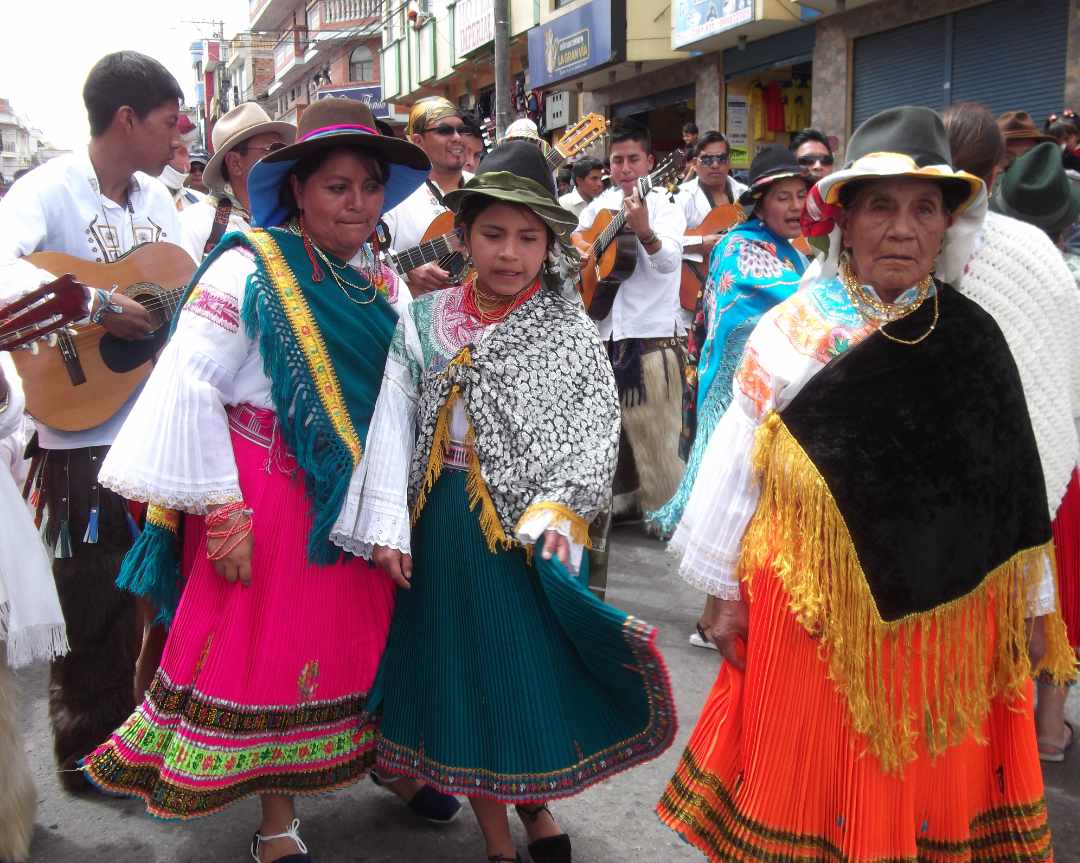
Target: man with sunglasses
(712, 187)
(241, 137)
(437, 127)
(812, 151)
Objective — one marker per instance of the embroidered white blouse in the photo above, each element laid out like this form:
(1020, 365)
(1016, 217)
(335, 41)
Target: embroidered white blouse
(175, 449)
(793, 342)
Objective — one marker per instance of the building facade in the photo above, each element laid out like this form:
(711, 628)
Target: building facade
(22, 146)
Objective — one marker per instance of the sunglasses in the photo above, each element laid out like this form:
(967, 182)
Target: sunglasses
(717, 159)
(807, 161)
(445, 130)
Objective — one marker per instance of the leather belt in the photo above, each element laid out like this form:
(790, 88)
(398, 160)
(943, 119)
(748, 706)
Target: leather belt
(650, 345)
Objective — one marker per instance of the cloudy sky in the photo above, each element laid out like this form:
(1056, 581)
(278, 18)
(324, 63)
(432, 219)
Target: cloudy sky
(51, 45)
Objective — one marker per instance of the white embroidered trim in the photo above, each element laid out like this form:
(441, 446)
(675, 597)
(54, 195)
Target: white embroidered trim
(192, 502)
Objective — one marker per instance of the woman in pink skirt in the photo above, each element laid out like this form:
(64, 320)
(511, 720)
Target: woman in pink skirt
(254, 418)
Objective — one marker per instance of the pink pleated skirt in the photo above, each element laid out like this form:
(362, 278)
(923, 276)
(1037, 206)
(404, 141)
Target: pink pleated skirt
(261, 689)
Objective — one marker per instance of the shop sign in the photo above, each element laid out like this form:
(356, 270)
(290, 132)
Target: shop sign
(736, 132)
(694, 20)
(474, 25)
(556, 110)
(370, 96)
(571, 44)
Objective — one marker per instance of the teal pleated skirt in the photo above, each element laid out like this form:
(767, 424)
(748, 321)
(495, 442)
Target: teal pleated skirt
(509, 680)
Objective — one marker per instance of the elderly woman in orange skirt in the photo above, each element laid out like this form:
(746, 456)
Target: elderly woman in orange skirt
(871, 516)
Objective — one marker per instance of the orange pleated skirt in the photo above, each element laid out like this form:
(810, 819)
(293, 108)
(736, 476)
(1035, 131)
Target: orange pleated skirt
(775, 772)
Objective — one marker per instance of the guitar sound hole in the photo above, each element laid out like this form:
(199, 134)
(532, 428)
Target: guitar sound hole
(146, 295)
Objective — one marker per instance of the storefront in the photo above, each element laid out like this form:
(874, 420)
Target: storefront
(767, 92)
(1008, 55)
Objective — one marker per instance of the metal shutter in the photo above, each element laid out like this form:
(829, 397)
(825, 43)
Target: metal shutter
(1010, 56)
(906, 66)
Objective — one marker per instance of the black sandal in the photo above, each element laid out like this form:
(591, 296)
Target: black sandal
(551, 849)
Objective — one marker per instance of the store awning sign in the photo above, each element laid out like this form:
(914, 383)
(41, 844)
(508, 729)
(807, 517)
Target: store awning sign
(370, 96)
(571, 44)
(694, 20)
(474, 25)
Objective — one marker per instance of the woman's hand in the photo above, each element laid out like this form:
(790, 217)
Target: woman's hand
(236, 565)
(558, 545)
(395, 564)
(725, 622)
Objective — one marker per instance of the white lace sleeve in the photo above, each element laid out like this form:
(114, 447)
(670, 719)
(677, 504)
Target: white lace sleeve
(720, 507)
(532, 527)
(174, 449)
(376, 509)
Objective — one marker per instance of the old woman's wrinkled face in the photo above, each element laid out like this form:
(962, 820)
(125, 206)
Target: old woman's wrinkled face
(894, 230)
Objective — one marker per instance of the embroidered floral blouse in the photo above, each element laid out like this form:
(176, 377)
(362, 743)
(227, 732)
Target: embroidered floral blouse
(793, 342)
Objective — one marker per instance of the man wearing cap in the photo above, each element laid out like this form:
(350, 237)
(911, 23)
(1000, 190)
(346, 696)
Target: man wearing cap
(197, 159)
(242, 137)
(436, 127)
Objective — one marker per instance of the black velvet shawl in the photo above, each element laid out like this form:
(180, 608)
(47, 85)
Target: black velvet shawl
(929, 454)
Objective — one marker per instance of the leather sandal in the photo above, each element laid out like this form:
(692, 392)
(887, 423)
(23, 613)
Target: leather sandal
(292, 833)
(550, 849)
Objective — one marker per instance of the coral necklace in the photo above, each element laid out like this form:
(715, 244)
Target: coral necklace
(490, 308)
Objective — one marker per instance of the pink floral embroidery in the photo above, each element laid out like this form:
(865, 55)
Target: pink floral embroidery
(454, 327)
(308, 681)
(813, 336)
(216, 307)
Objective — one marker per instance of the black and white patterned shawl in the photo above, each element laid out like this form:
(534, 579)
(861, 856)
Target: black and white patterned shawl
(541, 400)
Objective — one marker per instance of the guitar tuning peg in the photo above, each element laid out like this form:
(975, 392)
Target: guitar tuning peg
(33, 348)
(50, 339)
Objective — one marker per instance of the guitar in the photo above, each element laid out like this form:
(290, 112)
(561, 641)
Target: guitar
(720, 220)
(39, 313)
(440, 242)
(86, 377)
(609, 255)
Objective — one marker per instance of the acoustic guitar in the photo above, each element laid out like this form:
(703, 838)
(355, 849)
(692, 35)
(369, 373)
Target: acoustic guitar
(719, 220)
(86, 377)
(440, 241)
(609, 254)
(37, 314)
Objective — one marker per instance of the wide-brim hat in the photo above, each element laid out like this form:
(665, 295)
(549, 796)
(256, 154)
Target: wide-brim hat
(244, 121)
(770, 165)
(1018, 126)
(326, 125)
(198, 154)
(1035, 189)
(516, 172)
(910, 141)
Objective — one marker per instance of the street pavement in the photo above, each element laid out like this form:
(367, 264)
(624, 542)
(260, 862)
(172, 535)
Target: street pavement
(612, 823)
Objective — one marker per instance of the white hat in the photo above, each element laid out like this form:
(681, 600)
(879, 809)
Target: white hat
(244, 121)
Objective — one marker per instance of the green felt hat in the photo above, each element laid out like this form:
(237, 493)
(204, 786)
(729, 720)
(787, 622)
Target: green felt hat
(517, 173)
(1036, 190)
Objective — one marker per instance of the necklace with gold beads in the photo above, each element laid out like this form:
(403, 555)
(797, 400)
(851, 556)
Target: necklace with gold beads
(882, 313)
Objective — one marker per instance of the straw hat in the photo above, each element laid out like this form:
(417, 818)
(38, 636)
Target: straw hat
(244, 121)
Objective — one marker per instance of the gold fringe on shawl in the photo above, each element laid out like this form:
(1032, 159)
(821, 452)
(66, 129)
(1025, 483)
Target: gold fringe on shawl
(799, 531)
(159, 516)
(579, 528)
(478, 492)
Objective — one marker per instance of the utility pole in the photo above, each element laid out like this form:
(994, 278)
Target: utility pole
(502, 67)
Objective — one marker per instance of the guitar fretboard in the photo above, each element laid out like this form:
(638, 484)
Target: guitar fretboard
(425, 253)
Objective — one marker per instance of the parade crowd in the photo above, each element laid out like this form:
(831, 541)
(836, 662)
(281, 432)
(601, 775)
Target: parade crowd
(354, 521)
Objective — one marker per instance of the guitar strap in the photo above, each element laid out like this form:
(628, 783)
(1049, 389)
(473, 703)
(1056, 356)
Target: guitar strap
(221, 223)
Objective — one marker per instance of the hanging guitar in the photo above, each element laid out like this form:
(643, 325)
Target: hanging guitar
(609, 254)
(719, 220)
(440, 242)
(88, 374)
(38, 314)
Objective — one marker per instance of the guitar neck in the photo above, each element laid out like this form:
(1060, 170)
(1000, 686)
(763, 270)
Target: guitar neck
(555, 158)
(425, 253)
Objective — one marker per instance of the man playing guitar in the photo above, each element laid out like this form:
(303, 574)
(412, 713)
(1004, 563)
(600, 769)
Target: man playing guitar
(645, 327)
(711, 187)
(436, 127)
(95, 204)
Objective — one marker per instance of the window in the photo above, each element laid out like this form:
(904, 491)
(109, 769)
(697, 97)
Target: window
(361, 65)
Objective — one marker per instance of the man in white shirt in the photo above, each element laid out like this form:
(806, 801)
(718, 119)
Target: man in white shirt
(94, 204)
(588, 178)
(241, 137)
(176, 172)
(436, 127)
(646, 326)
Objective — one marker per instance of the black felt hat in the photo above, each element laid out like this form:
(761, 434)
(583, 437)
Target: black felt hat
(772, 163)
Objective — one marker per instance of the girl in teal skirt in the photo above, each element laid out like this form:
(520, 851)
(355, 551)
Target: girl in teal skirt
(490, 454)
